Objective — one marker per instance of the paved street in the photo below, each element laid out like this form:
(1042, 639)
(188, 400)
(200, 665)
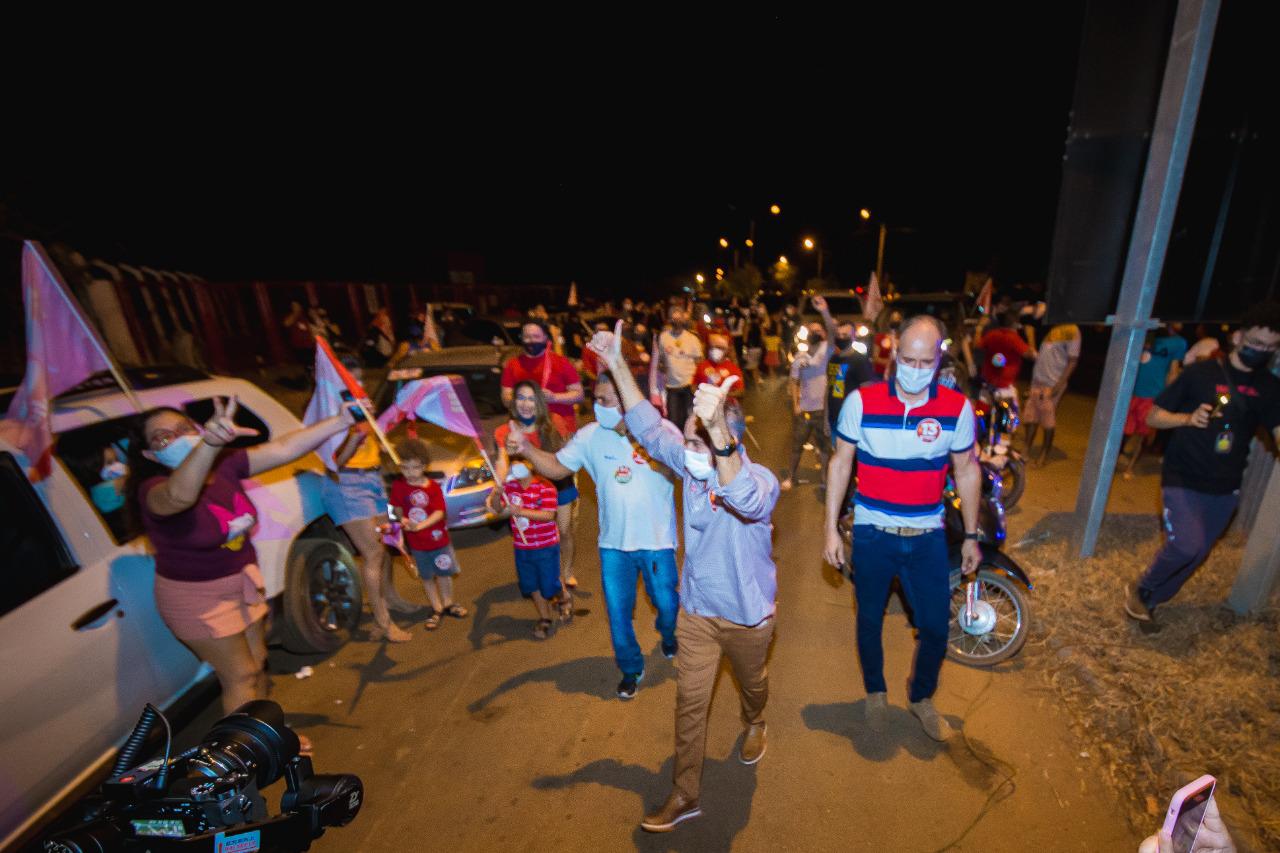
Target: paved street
(476, 736)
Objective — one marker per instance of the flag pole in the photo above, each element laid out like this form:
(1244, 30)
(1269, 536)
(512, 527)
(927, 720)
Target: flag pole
(357, 391)
(52, 271)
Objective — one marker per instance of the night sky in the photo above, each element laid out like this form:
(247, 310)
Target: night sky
(619, 172)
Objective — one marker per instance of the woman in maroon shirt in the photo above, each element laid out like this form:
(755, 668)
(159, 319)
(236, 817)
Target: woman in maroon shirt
(185, 487)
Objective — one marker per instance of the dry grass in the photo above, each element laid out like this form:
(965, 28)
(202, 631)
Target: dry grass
(1200, 696)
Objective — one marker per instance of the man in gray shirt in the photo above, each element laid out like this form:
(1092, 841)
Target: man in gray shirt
(808, 402)
(728, 585)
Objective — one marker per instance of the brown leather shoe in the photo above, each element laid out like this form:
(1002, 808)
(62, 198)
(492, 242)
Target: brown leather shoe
(673, 811)
(754, 743)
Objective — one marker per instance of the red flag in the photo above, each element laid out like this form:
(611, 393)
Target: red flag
(63, 350)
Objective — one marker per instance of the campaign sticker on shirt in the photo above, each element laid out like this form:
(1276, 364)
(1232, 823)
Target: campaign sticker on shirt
(623, 474)
(417, 515)
(516, 500)
(1146, 356)
(444, 561)
(418, 498)
(436, 534)
(928, 430)
(998, 359)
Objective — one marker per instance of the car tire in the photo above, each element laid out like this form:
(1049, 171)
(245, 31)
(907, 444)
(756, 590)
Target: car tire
(322, 597)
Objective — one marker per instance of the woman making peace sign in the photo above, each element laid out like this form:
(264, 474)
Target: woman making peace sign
(185, 487)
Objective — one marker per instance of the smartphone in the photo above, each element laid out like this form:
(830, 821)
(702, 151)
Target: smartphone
(1186, 812)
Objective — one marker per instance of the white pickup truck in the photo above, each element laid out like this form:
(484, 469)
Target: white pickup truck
(82, 648)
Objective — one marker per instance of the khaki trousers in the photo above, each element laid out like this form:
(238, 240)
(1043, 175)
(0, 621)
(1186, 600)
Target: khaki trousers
(703, 640)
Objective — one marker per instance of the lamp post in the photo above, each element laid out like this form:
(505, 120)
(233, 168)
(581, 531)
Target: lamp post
(811, 245)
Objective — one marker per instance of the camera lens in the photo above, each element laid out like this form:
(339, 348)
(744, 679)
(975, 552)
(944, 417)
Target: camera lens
(252, 739)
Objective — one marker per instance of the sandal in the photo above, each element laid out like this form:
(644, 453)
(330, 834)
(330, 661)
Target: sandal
(457, 611)
(543, 629)
(433, 621)
(566, 606)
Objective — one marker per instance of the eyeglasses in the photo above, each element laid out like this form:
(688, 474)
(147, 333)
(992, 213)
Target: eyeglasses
(162, 438)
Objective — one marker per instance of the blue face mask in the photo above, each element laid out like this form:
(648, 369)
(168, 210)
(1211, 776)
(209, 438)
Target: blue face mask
(527, 421)
(607, 417)
(173, 453)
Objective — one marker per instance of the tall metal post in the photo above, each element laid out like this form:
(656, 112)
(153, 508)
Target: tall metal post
(1161, 184)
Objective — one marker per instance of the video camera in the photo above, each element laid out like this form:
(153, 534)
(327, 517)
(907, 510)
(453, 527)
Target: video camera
(208, 798)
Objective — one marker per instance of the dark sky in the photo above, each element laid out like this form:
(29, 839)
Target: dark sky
(618, 171)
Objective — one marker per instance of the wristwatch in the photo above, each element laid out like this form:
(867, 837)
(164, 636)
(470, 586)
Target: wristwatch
(728, 451)
(974, 537)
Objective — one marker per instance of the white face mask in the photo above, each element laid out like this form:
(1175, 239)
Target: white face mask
(519, 470)
(607, 417)
(698, 464)
(716, 354)
(113, 471)
(913, 379)
(173, 453)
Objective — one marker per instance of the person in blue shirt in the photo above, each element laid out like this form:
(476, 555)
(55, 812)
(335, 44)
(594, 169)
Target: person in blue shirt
(1160, 364)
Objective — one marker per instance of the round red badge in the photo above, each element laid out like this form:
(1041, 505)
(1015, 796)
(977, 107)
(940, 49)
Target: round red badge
(928, 430)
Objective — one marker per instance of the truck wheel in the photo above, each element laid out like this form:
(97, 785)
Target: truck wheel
(322, 597)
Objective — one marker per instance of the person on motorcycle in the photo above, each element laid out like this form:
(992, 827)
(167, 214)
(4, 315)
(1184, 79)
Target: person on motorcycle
(907, 431)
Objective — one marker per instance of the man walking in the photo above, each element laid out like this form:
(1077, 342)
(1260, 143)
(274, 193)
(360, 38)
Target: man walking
(729, 582)
(906, 431)
(1214, 408)
(679, 351)
(808, 403)
(637, 522)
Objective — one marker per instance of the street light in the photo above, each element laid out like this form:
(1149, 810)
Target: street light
(750, 242)
(699, 278)
(864, 213)
(775, 210)
(809, 244)
(782, 259)
(724, 243)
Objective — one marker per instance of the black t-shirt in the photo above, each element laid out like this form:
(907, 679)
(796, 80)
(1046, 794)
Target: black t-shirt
(1212, 460)
(845, 374)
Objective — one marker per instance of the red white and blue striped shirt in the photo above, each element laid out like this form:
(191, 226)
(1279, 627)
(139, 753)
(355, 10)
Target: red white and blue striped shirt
(904, 450)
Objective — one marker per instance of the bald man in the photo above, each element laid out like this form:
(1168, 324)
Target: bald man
(906, 432)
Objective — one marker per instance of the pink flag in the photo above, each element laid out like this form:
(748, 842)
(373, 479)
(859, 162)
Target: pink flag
(872, 303)
(441, 400)
(63, 349)
(326, 402)
(984, 296)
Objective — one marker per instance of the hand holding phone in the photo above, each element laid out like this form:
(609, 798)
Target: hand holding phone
(1192, 824)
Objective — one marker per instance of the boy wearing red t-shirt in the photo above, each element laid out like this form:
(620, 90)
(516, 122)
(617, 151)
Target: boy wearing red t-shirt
(419, 505)
(531, 502)
(1004, 349)
(716, 368)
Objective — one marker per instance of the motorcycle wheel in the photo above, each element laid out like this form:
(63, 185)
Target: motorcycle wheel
(1013, 479)
(1011, 619)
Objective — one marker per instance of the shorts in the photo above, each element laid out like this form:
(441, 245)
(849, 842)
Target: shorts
(358, 494)
(436, 563)
(1042, 407)
(210, 610)
(538, 570)
(1136, 422)
(567, 490)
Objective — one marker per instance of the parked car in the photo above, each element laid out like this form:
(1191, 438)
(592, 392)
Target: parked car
(82, 646)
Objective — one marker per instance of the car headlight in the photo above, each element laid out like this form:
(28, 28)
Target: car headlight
(473, 474)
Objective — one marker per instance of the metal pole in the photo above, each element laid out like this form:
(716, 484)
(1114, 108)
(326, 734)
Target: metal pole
(820, 252)
(1166, 162)
(1224, 207)
(880, 254)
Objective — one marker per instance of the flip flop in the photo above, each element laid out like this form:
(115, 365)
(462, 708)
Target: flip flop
(433, 621)
(457, 611)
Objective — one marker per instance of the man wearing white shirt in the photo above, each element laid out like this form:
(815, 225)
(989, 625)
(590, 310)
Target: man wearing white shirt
(637, 523)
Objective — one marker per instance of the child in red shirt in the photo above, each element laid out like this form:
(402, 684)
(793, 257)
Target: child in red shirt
(717, 367)
(419, 504)
(531, 503)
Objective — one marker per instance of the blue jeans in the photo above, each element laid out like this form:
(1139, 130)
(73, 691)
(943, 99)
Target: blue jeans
(618, 570)
(1193, 521)
(922, 567)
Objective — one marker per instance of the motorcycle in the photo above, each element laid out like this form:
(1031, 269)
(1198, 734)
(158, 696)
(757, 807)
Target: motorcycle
(996, 423)
(990, 614)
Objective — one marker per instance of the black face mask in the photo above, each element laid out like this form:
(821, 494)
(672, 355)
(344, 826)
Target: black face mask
(1253, 358)
(843, 343)
(536, 348)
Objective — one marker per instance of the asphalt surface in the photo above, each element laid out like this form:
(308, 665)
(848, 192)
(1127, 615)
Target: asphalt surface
(477, 736)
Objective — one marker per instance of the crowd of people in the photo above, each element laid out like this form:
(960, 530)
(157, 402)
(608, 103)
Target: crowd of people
(889, 425)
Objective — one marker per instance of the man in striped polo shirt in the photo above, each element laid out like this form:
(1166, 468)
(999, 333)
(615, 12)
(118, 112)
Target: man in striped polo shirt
(906, 431)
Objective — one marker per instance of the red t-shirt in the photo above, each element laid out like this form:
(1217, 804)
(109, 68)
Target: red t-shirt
(416, 503)
(211, 539)
(552, 372)
(527, 533)
(708, 371)
(880, 355)
(1003, 349)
